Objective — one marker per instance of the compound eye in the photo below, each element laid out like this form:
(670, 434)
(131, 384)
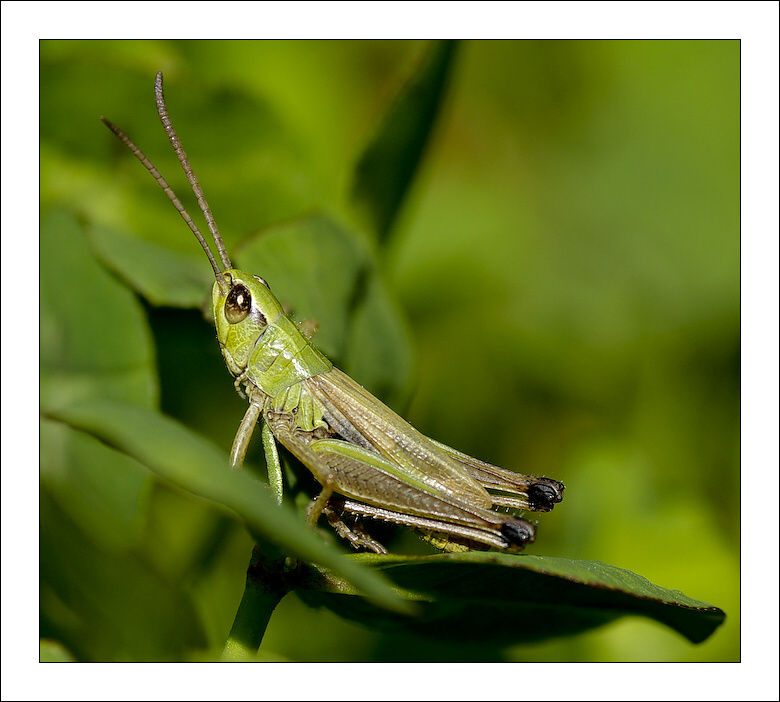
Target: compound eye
(238, 304)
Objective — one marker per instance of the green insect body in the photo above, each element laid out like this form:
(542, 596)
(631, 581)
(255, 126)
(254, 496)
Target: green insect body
(370, 462)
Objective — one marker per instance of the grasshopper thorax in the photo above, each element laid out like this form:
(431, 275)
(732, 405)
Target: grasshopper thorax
(262, 347)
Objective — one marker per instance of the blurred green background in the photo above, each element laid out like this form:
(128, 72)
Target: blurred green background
(567, 263)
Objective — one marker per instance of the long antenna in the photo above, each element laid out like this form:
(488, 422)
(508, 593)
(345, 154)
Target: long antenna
(167, 188)
(162, 110)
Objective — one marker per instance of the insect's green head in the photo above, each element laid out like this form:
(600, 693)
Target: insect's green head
(244, 307)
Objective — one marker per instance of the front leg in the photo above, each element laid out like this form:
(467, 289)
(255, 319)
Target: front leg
(244, 436)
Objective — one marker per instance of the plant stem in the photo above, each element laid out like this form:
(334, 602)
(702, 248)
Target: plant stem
(267, 582)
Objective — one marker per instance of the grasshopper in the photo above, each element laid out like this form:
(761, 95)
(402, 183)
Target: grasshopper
(370, 462)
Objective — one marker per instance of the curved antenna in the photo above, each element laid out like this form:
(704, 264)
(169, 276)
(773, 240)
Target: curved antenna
(162, 110)
(168, 191)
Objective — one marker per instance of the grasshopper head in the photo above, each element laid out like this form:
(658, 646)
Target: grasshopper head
(244, 307)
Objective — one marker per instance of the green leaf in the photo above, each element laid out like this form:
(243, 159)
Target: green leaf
(97, 594)
(387, 167)
(185, 459)
(163, 276)
(99, 602)
(503, 599)
(94, 343)
(94, 338)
